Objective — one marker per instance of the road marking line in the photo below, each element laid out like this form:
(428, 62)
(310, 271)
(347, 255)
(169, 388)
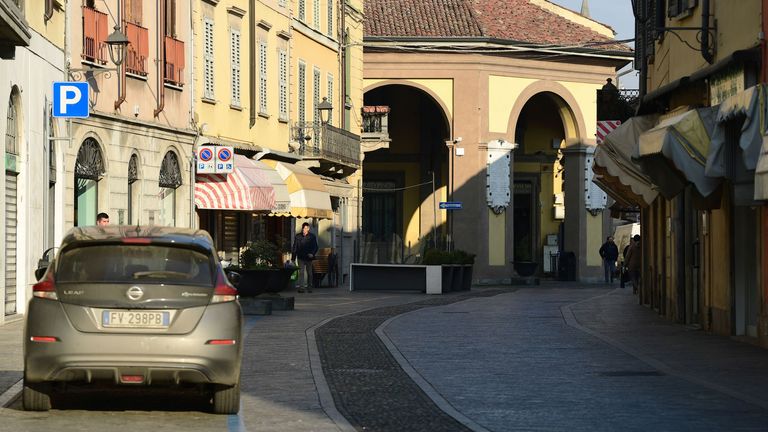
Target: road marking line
(11, 394)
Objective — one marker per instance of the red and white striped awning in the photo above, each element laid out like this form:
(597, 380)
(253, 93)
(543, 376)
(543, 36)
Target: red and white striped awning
(245, 188)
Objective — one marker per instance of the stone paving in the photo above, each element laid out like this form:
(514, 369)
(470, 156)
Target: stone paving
(368, 386)
(512, 362)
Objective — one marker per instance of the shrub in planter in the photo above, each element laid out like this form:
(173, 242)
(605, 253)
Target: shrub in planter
(467, 261)
(260, 269)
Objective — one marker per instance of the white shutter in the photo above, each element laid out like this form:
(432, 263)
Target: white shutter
(208, 58)
(302, 10)
(330, 97)
(234, 59)
(10, 241)
(316, 15)
(315, 93)
(330, 18)
(263, 77)
(283, 60)
(302, 92)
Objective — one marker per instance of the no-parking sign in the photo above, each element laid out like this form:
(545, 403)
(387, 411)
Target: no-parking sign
(205, 160)
(224, 160)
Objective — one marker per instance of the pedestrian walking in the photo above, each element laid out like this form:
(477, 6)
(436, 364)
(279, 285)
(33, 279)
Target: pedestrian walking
(610, 253)
(304, 249)
(633, 261)
(102, 219)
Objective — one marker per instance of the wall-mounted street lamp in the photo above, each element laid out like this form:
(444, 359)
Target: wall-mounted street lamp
(117, 43)
(325, 109)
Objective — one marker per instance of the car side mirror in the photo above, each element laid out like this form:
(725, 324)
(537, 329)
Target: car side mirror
(234, 278)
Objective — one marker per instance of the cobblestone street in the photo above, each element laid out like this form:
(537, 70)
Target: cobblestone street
(547, 358)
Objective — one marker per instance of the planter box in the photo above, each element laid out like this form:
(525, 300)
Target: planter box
(430, 279)
(255, 282)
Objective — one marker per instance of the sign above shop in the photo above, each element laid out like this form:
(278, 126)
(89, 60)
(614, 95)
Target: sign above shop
(215, 160)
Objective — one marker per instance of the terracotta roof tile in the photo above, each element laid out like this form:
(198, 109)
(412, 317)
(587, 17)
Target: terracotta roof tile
(512, 20)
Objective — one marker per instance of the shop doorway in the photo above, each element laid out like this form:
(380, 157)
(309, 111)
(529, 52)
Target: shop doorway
(525, 220)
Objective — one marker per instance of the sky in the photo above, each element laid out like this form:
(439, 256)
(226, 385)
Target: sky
(618, 15)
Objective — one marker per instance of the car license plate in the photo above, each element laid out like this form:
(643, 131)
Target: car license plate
(135, 319)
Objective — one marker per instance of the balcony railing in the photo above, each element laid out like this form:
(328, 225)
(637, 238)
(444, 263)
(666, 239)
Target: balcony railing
(138, 49)
(95, 30)
(327, 142)
(174, 61)
(375, 120)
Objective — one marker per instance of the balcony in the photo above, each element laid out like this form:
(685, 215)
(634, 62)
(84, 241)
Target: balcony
(14, 30)
(375, 128)
(95, 30)
(174, 61)
(336, 150)
(138, 49)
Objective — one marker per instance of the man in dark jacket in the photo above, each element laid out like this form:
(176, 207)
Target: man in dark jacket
(304, 248)
(610, 253)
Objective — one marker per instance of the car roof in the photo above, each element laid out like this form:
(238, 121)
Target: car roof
(161, 234)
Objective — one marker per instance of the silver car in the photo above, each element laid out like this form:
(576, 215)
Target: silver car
(129, 306)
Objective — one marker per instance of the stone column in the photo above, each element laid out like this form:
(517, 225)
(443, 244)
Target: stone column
(583, 233)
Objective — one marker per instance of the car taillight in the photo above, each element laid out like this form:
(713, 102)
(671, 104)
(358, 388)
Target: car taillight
(223, 292)
(46, 288)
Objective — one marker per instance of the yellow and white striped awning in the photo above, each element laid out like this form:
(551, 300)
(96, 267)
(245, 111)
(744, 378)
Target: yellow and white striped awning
(309, 196)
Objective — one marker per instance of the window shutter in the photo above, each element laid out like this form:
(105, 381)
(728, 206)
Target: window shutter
(302, 10)
(302, 92)
(330, 97)
(208, 58)
(330, 18)
(234, 58)
(315, 93)
(316, 15)
(283, 60)
(263, 77)
(170, 18)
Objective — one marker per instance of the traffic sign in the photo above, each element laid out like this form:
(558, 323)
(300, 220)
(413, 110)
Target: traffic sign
(450, 205)
(205, 160)
(70, 99)
(224, 162)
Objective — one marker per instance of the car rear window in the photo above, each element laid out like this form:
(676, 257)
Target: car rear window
(132, 263)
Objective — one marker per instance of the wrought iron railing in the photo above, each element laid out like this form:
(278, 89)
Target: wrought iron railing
(174, 61)
(375, 121)
(138, 49)
(327, 142)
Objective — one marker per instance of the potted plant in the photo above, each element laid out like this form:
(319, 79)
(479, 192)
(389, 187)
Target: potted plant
(467, 261)
(261, 269)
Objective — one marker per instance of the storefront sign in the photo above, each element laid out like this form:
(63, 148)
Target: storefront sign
(725, 84)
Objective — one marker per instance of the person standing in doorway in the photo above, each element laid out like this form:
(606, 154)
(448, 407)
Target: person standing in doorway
(610, 253)
(102, 219)
(304, 249)
(633, 261)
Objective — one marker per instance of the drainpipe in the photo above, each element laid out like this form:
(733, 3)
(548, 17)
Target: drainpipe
(708, 56)
(121, 80)
(161, 11)
(343, 45)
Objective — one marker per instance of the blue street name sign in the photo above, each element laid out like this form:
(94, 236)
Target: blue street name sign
(448, 205)
(70, 99)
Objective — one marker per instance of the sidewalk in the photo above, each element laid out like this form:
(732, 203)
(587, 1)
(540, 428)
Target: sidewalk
(11, 348)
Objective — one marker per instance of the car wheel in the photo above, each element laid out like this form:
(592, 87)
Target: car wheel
(226, 400)
(36, 397)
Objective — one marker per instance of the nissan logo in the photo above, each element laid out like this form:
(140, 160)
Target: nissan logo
(134, 293)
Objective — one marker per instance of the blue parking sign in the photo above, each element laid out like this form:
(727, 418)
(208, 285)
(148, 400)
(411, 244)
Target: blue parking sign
(70, 99)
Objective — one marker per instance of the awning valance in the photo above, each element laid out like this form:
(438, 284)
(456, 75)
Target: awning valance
(751, 105)
(309, 197)
(615, 170)
(675, 152)
(245, 188)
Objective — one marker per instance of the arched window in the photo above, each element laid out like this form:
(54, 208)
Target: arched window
(170, 180)
(89, 169)
(133, 175)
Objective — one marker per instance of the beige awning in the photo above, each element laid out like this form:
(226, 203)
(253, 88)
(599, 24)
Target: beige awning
(675, 152)
(615, 170)
(309, 196)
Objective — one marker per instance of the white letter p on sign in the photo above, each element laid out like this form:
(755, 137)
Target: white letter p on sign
(66, 99)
